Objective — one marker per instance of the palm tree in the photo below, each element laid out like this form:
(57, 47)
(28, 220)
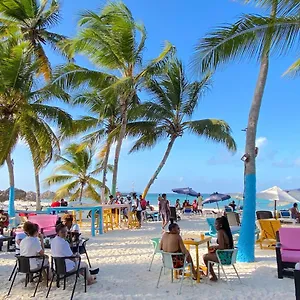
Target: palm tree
(113, 41)
(251, 36)
(169, 115)
(32, 19)
(24, 114)
(104, 117)
(77, 173)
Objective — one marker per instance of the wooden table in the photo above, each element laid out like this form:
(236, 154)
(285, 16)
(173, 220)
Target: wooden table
(195, 240)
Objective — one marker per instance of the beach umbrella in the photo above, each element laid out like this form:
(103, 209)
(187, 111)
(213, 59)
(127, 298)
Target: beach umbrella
(215, 198)
(238, 196)
(185, 191)
(294, 193)
(279, 196)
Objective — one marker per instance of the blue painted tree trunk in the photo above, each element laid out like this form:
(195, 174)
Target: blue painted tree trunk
(11, 206)
(246, 244)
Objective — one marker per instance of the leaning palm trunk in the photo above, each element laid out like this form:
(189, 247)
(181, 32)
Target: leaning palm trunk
(38, 189)
(11, 200)
(162, 163)
(247, 236)
(119, 146)
(105, 163)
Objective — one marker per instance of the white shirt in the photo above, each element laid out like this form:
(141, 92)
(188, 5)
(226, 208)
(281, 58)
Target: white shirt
(31, 246)
(61, 248)
(19, 236)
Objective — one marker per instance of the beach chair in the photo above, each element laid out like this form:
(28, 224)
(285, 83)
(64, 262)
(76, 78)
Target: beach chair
(156, 250)
(188, 210)
(134, 223)
(212, 229)
(23, 267)
(285, 216)
(233, 219)
(167, 260)
(225, 258)
(108, 222)
(47, 224)
(61, 274)
(264, 214)
(267, 236)
(287, 250)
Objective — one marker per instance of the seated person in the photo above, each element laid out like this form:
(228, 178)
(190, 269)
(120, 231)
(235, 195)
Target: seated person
(73, 236)
(33, 245)
(172, 242)
(295, 212)
(224, 241)
(232, 205)
(195, 206)
(149, 207)
(61, 248)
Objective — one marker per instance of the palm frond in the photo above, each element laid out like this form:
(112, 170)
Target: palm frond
(246, 39)
(212, 129)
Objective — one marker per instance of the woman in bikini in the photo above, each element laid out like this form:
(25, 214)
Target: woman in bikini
(224, 241)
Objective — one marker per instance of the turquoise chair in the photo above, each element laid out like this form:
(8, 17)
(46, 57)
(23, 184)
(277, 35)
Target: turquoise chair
(225, 258)
(155, 243)
(212, 229)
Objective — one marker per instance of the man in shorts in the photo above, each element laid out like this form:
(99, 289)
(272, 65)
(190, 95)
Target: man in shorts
(164, 210)
(172, 242)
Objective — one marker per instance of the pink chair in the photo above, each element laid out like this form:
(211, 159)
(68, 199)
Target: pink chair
(287, 250)
(46, 224)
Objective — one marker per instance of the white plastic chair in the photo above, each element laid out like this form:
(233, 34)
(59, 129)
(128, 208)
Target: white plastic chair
(167, 259)
(226, 258)
(155, 242)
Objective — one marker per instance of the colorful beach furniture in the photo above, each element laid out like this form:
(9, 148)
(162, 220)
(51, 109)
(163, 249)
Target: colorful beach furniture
(287, 250)
(267, 235)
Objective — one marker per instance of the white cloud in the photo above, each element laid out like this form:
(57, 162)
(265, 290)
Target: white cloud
(297, 162)
(261, 141)
(289, 178)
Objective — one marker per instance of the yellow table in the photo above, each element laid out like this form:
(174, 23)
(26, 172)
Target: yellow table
(194, 240)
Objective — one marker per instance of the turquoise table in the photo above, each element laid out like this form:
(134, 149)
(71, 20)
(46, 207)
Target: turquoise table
(93, 210)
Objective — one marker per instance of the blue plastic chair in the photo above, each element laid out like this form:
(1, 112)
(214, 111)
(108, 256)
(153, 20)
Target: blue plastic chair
(212, 229)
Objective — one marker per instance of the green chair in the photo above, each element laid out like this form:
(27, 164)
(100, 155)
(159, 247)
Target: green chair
(226, 258)
(155, 242)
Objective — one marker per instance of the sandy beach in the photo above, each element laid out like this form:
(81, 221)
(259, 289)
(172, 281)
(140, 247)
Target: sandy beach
(123, 257)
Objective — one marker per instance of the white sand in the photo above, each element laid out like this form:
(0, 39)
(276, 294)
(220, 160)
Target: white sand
(124, 256)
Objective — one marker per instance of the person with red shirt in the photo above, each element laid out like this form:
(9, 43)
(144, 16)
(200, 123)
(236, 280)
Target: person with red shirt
(55, 204)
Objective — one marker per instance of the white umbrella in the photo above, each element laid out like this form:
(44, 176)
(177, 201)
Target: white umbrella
(294, 193)
(276, 194)
(238, 196)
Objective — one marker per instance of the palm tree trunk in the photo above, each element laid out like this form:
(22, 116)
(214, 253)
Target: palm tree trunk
(247, 236)
(11, 200)
(81, 192)
(38, 189)
(105, 163)
(162, 163)
(119, 146)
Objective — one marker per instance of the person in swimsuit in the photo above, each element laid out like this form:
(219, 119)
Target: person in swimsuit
(172, 242)
(164, 210)
(224, 241)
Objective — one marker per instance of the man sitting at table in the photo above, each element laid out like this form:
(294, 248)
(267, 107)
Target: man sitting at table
(61, 248)
(172, 242)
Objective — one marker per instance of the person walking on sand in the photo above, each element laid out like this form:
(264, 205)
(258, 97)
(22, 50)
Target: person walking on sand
(164, 210)
(200, 203)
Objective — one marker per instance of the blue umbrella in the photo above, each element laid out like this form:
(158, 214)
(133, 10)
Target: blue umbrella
(185, 191)
(215, 198)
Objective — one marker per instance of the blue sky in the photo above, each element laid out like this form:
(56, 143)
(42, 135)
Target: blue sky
(195, 162)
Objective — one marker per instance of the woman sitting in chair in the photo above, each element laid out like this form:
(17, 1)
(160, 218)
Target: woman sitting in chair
(224, 241)
(33, 245)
